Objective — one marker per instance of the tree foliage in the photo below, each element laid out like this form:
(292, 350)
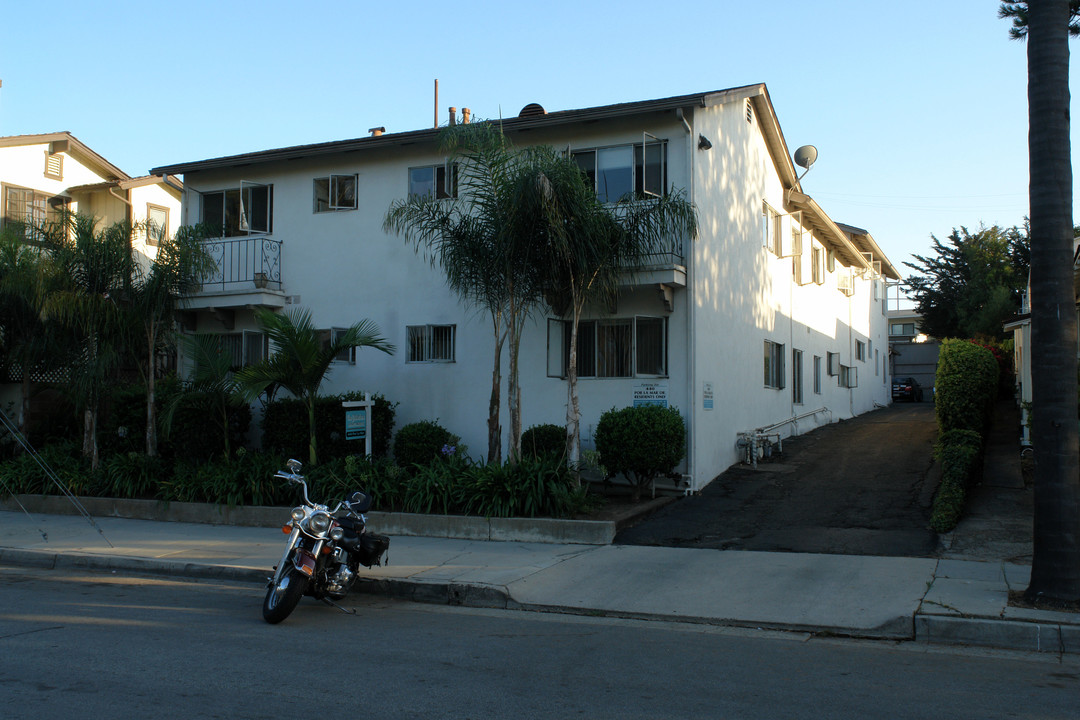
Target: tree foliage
(1017, 12)
(972, 283)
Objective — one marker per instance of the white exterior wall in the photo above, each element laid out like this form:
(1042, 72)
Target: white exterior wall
(24, 165)
(344, 267)
(155, 194)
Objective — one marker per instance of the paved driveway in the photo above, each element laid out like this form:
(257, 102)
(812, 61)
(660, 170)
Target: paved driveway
(857, 487)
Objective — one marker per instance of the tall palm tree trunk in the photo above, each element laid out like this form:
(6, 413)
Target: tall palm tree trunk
(1055, 570)
(495, 402)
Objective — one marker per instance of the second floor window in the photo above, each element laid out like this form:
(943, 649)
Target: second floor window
(32, 207)
(239, 211)
(437, 181)
(157, 224)
(621, 170)
(431, 343)
(336, 192)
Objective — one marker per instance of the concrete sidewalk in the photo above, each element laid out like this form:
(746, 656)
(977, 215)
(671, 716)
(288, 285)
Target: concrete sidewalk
(921, 599)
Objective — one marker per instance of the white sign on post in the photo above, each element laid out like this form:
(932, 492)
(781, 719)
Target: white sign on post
(358, 421)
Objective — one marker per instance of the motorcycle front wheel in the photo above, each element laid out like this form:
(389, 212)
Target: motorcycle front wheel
(283, 596)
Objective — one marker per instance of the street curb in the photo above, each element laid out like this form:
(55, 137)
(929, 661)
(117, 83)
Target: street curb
(1037, 637)
(536, 530)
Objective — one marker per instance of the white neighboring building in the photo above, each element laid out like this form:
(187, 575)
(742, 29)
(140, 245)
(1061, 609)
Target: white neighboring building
(43, 174)
(773, 317)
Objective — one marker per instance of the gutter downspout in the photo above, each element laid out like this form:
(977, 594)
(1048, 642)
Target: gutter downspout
(691, 355)
(130, 207)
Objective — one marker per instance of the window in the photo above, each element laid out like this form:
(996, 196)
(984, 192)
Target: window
(438, 181)
(620, 347)
(774, 365)
(796, 376)
(817, 265)
(336, 192)
(849, 377)
(833, 364)
(332, 335)
(244, 348)
(431, 343)
(796, 255)
(860, 350)
(817, 374)
(54, 166)
(830, 260)
(770, 230)
(617, 171)
(248, 209)
(902, 328)
(876, 358)
(32, 207)
(157, 224)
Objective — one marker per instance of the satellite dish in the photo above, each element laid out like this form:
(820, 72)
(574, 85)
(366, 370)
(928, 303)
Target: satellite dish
(806, 156)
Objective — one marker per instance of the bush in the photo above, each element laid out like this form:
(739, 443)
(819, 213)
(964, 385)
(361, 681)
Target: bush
(246, 479)
(543, 440)
(195, 433)
(960, 455)
(966, 386)
(421, 442)
(543, 486)
(641, 443)
(285, 427)
(23, 474)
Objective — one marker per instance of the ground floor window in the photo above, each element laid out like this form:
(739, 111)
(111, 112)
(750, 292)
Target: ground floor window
(796, 376)
(431, 343)
(817, 374)
(774, 365)
(243, 348)
(617, 347)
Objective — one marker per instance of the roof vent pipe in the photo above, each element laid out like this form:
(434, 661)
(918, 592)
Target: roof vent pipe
(466, 113)
(376, 132)
(453, 116)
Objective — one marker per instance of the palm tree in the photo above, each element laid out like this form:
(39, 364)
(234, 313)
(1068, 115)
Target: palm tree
(97, 268)
(212, 381)
(301, 358)
(585, 248)
(1055, 568)
(475, 242)
(173, 273)
(27, 343)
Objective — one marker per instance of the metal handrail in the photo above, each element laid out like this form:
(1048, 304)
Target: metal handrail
(252, 261)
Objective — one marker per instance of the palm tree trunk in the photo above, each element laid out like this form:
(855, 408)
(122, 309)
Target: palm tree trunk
(1055, 569)
(573, 409)
(495, 402)
(151, 418)
(312, 455)
(24, 418)
(514, 389)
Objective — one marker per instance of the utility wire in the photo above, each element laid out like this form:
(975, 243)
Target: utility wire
(10, 426)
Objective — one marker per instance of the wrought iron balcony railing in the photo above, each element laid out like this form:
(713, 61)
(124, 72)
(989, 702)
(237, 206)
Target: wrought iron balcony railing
(244, 263)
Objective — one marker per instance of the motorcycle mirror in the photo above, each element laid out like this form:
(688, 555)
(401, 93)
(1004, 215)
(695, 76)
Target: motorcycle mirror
(294, 466)
(360, 502)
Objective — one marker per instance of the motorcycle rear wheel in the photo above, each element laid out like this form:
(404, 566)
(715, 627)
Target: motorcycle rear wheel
(283, 596)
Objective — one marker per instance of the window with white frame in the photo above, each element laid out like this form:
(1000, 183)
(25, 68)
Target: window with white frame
(157, 224)
(817, 374)
(333, 193)
(774, 365)
(616, 347)
(860, 351)
(817, 265)
(796, 376)
(770, 230)
(849, 377)
(239, 211)
(431, 343)
(437, 181)
(329, 336)
(621, 170)
(833, 366)
(243, 348)
(796, 254)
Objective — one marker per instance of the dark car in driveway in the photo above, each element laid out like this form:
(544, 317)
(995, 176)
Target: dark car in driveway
(906, 388)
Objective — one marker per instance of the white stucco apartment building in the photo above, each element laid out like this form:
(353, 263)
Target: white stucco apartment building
(773, 317)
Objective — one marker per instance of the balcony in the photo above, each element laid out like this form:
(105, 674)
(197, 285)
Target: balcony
(666, 267)
(247, 273)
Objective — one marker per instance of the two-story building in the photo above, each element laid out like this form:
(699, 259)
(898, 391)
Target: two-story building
(772, 318)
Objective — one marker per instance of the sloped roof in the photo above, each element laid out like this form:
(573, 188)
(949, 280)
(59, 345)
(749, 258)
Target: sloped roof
(64, 141)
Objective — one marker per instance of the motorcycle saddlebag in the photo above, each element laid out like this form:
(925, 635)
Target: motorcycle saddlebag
(371, 548)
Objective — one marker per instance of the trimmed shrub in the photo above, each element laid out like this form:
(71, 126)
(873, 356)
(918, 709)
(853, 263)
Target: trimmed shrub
(421, 442)
(543, 440)
(966, 386)
(641, 443)
(285, 427)
(195, 433)
(960, 455)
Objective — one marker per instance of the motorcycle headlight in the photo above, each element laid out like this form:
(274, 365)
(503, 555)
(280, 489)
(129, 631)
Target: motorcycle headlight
(337, 533)
(298, 513)
(319, 523)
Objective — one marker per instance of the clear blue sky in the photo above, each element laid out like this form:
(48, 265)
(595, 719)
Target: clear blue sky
(919, 113)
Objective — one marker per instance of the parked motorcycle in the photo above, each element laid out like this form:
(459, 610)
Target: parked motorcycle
(324, 553)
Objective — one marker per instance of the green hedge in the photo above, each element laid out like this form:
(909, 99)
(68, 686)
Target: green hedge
(960, 455)
(285, 427)
(543, 440)
(641, 443)
(420, 443)
(966, 386)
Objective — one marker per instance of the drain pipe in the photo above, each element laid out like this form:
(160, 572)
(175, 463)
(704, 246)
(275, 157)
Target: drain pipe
(691, 349)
